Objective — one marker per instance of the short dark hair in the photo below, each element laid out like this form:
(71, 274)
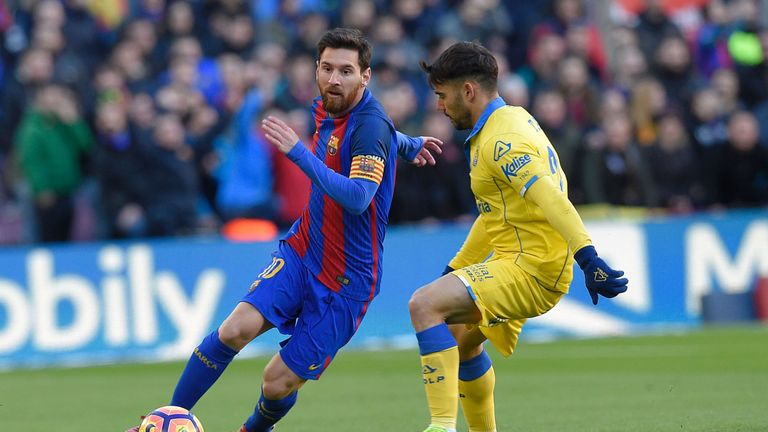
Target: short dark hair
(348, 38)
(464, 60)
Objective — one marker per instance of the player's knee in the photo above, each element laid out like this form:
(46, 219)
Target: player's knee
(234, 334)
(278, 388)
(419, 304)
(469, 351)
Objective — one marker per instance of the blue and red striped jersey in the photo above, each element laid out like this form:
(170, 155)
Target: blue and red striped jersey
(344, 250)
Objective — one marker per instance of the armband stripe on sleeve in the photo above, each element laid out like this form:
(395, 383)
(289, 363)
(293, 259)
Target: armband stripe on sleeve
(367, 167)
(528, 185)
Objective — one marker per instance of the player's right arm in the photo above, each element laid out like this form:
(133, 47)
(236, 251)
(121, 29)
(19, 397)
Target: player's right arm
(353, 194)
(476, 247)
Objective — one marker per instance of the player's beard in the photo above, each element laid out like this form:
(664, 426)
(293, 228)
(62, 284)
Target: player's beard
(335, 101)
(460, 117)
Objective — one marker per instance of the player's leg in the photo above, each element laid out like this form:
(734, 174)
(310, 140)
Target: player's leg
(272, 300)
(215, 352)
(432, 306)
(279, 391)
(477, 379)
(326, 323)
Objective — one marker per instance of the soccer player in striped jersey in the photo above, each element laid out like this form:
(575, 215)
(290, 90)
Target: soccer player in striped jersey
(327, 269)
(527, 226)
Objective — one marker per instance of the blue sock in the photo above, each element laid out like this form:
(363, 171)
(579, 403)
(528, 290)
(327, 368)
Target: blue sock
(204, 367)
(474, 368)
(268, 412)
(435, 339)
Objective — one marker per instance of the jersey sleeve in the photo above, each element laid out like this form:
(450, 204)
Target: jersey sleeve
(370, 141)
(515, 162)
(560, 213)
(408, 147)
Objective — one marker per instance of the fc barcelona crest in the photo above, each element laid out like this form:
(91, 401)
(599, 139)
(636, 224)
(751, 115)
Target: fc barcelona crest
(333, 145)
(367, 165)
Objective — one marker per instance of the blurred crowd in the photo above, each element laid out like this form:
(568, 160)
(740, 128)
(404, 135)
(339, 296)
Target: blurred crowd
(136, 118)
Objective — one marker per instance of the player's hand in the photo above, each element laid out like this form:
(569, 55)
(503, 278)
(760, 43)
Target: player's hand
(429, 145)
(279, 134)
(599, 277)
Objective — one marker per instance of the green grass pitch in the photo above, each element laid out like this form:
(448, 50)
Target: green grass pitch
(713, 379)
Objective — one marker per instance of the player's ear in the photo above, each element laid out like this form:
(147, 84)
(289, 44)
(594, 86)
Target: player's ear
(468, 91)
(366, 76)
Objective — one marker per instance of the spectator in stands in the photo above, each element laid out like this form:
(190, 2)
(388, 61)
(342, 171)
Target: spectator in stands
(708, 129)
(673, 68)
(742, 175)
(298, 87)
(120, 169)
(550, 111)
(291, 188)
(628, 67)
(243, 167)
(674, 165)
(449, 196)
(544, 57)
(617, 173)
(649, 100)
(34, 71)
(582, 38)
(513, 90)
(582, 98)
(171, 202)
(710, 49)
(726, 83)
(747, 46)
(653, 26)
(50, 142)
(199, 60)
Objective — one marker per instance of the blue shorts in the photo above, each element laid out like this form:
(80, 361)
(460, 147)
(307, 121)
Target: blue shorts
(319, 320)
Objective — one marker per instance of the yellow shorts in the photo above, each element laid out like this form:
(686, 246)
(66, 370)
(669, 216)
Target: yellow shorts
(506, 296)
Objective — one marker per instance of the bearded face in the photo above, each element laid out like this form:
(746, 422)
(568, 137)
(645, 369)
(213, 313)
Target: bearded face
(450, 103)
(340, 80)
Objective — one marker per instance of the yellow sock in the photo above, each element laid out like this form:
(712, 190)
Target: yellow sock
(441, 382)
(477, 402)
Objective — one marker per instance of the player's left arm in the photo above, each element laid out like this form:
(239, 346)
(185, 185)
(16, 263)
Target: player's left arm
(353, 194)
(559, 211)
(532, 175)
(418, 150)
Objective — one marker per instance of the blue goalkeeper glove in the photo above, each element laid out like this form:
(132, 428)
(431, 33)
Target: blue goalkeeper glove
(599, 278)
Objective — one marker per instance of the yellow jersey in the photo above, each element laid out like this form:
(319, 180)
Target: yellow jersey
(508, 155)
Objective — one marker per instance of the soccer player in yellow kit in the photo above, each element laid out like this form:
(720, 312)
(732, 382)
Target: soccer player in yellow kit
(517, 260)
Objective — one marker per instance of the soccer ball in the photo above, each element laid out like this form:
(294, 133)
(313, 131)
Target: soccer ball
(171, 419)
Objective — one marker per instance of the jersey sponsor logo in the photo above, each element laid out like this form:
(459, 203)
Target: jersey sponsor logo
(477, 153)
(369, 167)
(512, 168)
(500, 150)
(478, 272)
(483, 207)
(333, 145)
